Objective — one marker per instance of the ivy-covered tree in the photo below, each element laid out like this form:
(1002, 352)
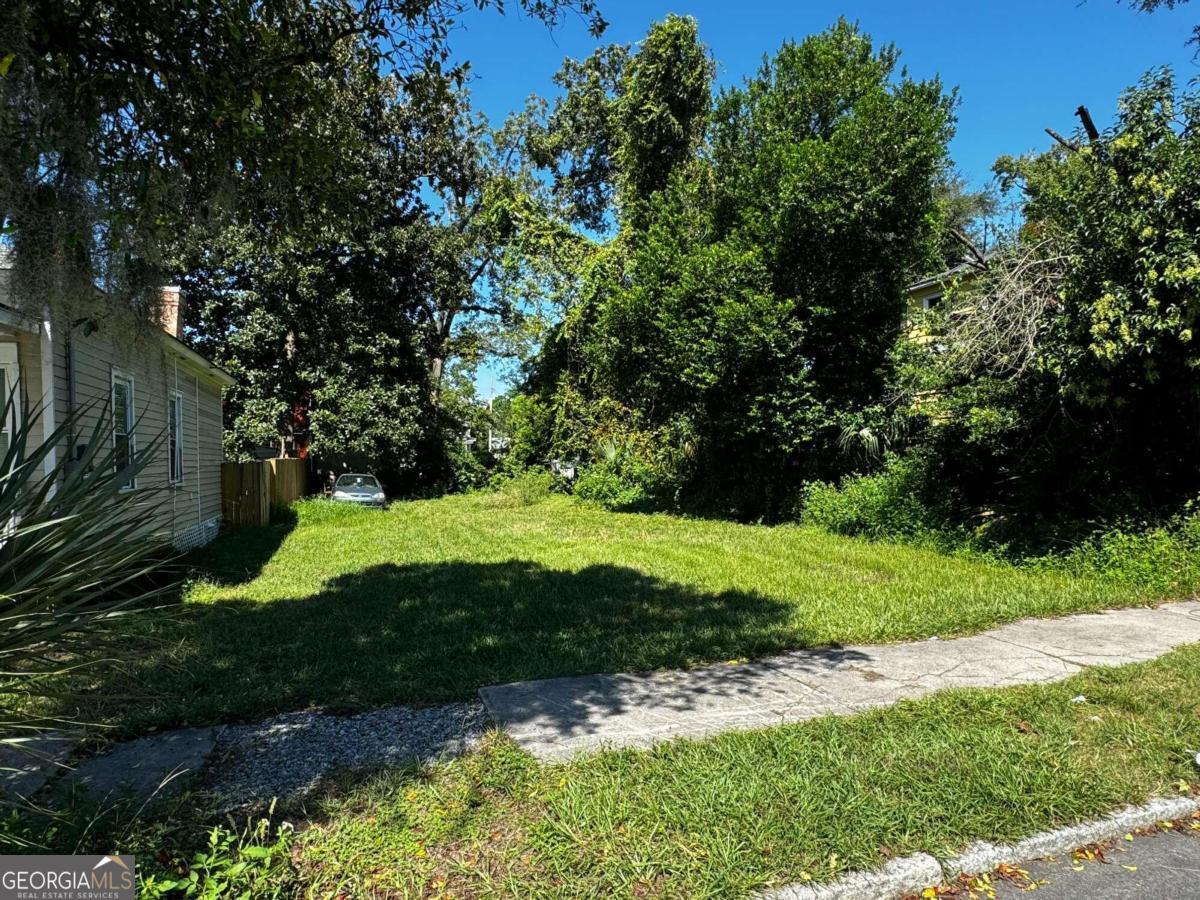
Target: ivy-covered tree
(742, 317)
(626, 119)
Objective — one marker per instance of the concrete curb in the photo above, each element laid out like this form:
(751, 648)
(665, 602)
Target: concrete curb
(905, 875)
(912, 874)
(983, 857)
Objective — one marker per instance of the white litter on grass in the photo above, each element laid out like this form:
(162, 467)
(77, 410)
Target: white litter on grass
(1079, 699)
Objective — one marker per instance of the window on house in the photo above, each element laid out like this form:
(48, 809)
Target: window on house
(9, 406)
(175, 435)
(933, 301)
(124, 438)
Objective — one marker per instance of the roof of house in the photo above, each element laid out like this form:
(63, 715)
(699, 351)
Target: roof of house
(966, 267)
(199, 359)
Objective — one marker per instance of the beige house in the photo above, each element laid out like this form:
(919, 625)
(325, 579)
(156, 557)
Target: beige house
(928, 293)
(151, 384)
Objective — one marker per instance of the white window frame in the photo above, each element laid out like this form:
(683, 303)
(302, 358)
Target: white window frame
(175, 407)
(130, 424)
(10, 366)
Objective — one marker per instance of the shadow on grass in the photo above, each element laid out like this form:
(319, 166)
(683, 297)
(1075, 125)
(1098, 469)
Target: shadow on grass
(239, 558)
(437, 632)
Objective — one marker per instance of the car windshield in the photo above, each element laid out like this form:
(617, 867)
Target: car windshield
(362, 481)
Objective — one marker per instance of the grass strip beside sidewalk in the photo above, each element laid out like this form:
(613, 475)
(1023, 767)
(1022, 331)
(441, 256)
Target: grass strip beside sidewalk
(725, 816)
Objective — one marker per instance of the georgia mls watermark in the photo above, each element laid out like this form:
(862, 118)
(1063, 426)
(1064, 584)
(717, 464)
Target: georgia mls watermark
(67, 878)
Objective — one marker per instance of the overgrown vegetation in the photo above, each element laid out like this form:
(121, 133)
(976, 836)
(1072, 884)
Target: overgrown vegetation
(902, 502)
(1054, 401)
(184, 848)
(740, 318)
(738, 342)
(254, 861)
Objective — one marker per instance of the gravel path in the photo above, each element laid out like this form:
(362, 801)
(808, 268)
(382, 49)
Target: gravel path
(289, 754)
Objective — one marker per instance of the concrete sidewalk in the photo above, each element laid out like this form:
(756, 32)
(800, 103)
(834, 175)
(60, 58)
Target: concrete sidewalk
(558, 717)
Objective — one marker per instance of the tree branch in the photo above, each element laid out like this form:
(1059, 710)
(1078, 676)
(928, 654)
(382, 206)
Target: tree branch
(1088, 125)
(978, 260)
(1070, 145)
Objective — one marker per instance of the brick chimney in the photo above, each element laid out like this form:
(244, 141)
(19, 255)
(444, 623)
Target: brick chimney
(172, 311)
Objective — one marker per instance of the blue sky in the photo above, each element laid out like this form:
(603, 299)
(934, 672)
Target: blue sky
(1020, 65)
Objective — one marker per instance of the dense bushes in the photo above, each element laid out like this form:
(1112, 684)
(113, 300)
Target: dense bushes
(748, 314)
(626, 476)
(741, 317)
(896, 502)
(1163, 558)
(1070, 383)
(1056, 402)
(901, 502)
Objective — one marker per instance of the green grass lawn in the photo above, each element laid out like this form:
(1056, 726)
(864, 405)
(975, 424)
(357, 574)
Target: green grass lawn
(429, 600)
(722, 817)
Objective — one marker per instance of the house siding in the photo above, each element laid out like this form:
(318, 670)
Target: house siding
(188, 513)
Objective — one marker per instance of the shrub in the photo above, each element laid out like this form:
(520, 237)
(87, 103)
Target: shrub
(889, 503)
(901, 502)
(523, 489)
(628, 473)
(1163, 559)
(601, 484)
(76, 558)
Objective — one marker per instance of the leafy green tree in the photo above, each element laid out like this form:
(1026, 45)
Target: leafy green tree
(627, 118)
(826, 160)
(500, 243)
(127, 128)
(318, 318)
(968, 232)
(1124, 209)
(746, 309)
(1066, 387)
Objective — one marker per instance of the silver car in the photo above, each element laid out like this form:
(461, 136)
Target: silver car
(365, 490)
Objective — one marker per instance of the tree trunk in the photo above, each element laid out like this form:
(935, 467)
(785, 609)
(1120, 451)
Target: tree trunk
(437, 357)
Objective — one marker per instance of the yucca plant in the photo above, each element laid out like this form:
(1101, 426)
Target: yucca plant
(76, 555)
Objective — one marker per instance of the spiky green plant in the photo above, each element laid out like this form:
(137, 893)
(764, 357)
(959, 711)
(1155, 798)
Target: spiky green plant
(76, 554)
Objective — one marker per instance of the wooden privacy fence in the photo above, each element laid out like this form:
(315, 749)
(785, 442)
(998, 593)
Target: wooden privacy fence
(250, 489)
(289, 477)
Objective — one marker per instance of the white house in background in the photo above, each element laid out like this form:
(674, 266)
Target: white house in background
(151, 384)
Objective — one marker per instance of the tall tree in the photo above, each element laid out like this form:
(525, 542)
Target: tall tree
(125, 126)
(626, 119)
(747, 306)
(497, 233)
(1067, 385)
(318, 317)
